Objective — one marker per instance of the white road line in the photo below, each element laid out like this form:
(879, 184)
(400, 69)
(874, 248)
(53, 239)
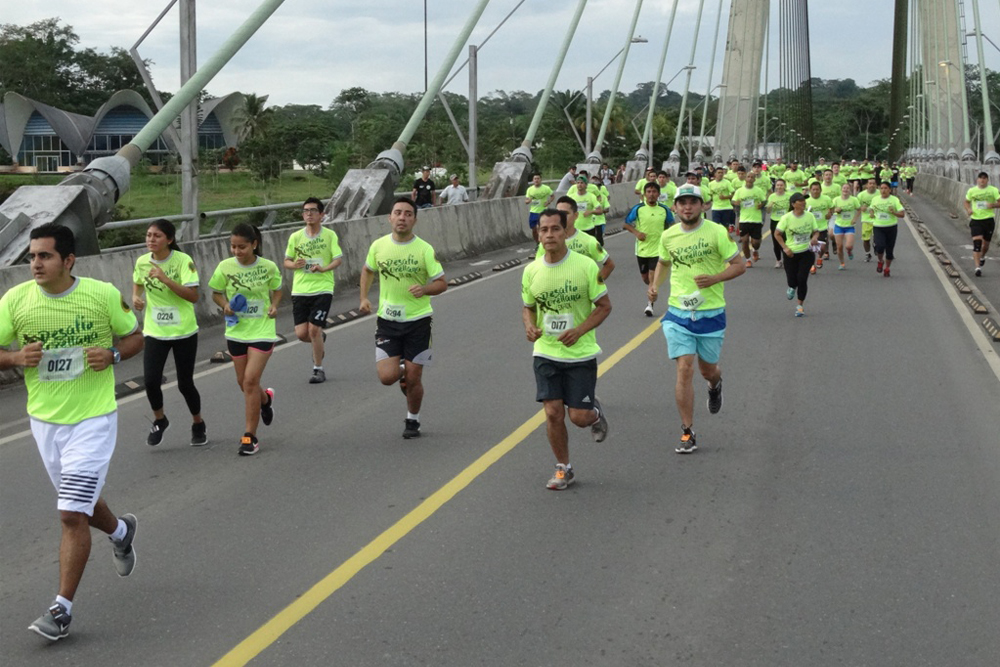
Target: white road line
(982, 342)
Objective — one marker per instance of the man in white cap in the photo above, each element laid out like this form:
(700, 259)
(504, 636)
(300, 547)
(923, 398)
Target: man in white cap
(454, 193)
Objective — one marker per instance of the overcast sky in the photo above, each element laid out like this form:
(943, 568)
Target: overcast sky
(312, 49)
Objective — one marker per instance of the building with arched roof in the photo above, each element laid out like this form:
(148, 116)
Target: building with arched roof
(45, 138)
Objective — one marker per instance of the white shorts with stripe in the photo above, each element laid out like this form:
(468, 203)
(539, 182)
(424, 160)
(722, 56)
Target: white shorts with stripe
(77, 457)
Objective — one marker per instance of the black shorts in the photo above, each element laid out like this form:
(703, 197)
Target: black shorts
(724, 216)
(571, 382)
(647, 264)
(824, 235)
(409, 340)
(984, 228)
(754, 229)
(312, 309)
(238, 348)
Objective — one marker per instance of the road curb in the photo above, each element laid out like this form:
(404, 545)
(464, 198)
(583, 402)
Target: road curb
(467, 278)
(509, 264)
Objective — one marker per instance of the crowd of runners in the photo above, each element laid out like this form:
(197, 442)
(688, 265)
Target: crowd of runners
(71, 330)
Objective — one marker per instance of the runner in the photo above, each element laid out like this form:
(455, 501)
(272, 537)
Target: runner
(749, 200)
(646, 221)
(537, 197)
(887, 211)
(169, 281)
(587, 204)
(819, 206)
(603, 205)
(409, 275)
(313, 253)
(640, 186)
(795, 178)
(584, 244)
(564, 302)
(699, 256)
(777, 206)
(910, 175)
(797, 234)
(247, 287)
(65, 327)
(846, 213)
(722, 191)
(667, 188)
(979, 204)
(867, 216)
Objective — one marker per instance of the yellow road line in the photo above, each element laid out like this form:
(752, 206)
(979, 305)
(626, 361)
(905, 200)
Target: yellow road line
(268, 633)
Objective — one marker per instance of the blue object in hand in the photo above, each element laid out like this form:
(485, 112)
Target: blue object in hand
(238, 304)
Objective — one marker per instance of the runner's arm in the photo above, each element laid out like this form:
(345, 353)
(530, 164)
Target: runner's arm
(332, 265)
(367, 276)
(99, 358)
(220, 300)
(531, 330)
(276, 295)
(609, 266)
(28, 356)
(433, 288)
(138, 302)
(659, 275)
(184, 292)
(735, 269)
(602, 308)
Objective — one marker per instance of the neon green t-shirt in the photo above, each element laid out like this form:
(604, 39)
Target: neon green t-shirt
(563, 296)
(168, 316)
(818, 206)
(865, 199)
(317, 250)
(651, 221)
(839, 180)
(667, 194)
(866, 171)
(798, 230)
(585, 202)
(980, 199)
(884, 208)
(848, 210)
(63, 389)
(763, 182)
(719, 189)
(538, 196)
(778, 205)
(255, 282)
(748, 202)
(831, 191)
(795, 180)
(706, 249)
(604, 202)
(400, 265)
(584, 244)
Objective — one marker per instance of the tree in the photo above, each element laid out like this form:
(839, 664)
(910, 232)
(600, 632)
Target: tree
(253, 118)
(38, 60)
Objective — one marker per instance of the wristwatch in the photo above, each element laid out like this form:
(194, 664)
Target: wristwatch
(115, 354)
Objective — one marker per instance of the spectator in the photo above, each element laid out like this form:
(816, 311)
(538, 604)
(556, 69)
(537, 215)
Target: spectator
(567, 180)
(423, 189)
(454, 193)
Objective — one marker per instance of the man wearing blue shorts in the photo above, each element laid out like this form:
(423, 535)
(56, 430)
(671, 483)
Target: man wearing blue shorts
(699, 256)
(538, 197)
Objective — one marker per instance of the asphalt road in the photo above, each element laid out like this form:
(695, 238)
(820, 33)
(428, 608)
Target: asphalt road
(843, 508)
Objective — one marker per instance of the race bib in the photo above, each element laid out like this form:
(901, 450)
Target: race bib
(846, 215)
(581, 207)
(801, 239)
(818, 215)
(982, 205)
(747, 203)
(882, 215)
(61, 364)
(391, 312)
(256, 308)
(691, 301)
(537, 202)
(313, 261)
(556, 324)
(166, 316)
(778, 212)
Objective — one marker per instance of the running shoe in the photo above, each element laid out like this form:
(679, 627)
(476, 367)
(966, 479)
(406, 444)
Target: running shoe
(842, 267)
(649, 309)
(199, 436)
(562, 478)
(267, 411)
(885, 274)
(982, 261)
(318, 376)
(53, 624)
(248, 445)
(749, 264)
(812, 269)
(756, 256)
(402, 377)
(156, 432)
(777, 265)
(411, 429)
(687, 444)
(732, 229)
(819, 263)
(850, 255)
(599, 429)
(122, 552)
(879, 266)
(979, 272)
(800, 311)
(715, 397)
(826, 255)
(868, 257)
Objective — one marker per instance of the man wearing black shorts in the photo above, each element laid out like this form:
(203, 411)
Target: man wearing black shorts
(313, 253)
(980, 202)
(409, 275)
(423, 189)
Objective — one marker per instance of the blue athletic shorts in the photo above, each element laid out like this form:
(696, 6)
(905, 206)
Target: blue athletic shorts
(533, 219)
(681, 340)
(837, 229)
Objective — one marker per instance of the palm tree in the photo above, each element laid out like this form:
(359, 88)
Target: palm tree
(253, 118)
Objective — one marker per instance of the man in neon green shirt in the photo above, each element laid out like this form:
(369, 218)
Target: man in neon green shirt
(640, 186)
(409, 275)
(584, 244)
(646, 221)
(699, 256)
(564, 302)
(313, 253)
(538, 196)
(722, 191)
(586, 202)
(749, 200)
(603, 204)
(979, 204)
(65, 328)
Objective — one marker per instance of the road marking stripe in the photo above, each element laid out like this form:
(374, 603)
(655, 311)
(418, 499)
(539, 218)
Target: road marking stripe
(268, 633)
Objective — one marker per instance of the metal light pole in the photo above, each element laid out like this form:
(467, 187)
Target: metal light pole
(990, 155)
(595, 155)
(699, 156)
(675, 154)
(645, 151)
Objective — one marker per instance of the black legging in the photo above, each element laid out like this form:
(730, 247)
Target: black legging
(797, 271)
(778, 254)
(884, 240)
(154, 358)
(597, 231)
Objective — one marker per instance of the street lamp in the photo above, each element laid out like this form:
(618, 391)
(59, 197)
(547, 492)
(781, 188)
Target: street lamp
(638, 39)
(699, 156)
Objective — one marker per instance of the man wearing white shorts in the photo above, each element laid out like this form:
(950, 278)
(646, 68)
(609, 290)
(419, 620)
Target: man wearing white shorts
(65, 328)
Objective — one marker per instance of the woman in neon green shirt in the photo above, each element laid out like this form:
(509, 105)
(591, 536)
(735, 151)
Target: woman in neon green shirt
(168, 280)
(797, 232)
(887, 211)
(846, 213)
(247, 288)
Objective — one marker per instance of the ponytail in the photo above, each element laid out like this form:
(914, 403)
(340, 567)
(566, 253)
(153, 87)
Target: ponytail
(250, 233)
(168, 230)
